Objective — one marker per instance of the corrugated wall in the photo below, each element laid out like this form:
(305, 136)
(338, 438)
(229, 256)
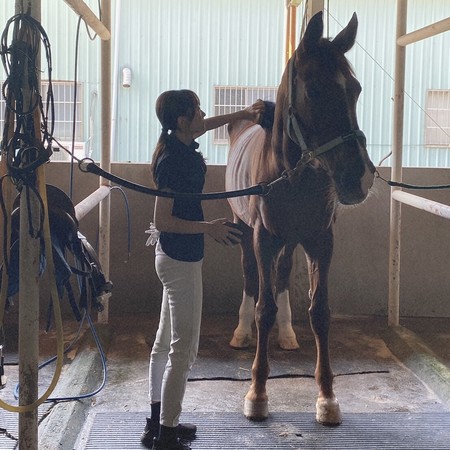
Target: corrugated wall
(427, 67)
(197, 44)
(60, 23)
(194, 44)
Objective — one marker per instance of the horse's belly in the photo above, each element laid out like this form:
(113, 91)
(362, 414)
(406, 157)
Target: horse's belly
(238, 172)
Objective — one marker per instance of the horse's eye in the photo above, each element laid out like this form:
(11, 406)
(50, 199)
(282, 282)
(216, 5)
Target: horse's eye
(313, 92)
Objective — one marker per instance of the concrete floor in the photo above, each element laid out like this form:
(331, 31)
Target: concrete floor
(377, 370)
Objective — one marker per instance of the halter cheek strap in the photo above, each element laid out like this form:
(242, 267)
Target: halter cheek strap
(293, 128)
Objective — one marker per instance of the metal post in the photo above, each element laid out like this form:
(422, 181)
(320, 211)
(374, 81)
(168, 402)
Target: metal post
(397, 154)
(105, 162)
(29, 288)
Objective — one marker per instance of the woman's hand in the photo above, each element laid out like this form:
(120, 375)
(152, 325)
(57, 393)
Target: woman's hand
(224, 232)
(255, 111)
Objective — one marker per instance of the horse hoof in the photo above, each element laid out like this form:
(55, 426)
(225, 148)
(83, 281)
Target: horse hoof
(328, 411)
(288, 343)
(240, 342)
(256, 410)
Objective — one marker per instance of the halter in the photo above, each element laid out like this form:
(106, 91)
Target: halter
(296, 136)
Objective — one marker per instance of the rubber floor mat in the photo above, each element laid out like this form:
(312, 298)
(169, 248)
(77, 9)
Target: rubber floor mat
(9, 425)
(217, 361)
(380, 431)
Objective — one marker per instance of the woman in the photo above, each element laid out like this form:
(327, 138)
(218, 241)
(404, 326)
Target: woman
(177, 166)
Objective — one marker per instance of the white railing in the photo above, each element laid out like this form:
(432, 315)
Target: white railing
(398, 197)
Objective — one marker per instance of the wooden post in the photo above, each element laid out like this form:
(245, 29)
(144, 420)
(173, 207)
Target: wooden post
(291, 32)
(105, 162)
(425, 32)
(397, 154)
(312, 8)
(29, 283)
(90, 18)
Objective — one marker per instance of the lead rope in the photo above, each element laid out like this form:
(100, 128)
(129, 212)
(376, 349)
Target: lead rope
(412, 186)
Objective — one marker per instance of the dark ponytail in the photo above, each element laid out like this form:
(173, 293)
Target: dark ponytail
(169, 106)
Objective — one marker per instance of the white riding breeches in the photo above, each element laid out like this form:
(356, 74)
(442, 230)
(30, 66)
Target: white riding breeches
(176, 344)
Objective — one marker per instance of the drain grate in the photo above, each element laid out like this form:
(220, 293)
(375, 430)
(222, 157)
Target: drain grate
(9, 424)
(419, 431)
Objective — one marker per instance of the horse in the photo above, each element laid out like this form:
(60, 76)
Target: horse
(311, 159)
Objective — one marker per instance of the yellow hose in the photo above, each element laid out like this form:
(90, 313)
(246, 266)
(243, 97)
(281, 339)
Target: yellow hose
(40, 173)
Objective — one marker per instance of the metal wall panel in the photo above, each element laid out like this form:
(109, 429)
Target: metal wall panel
(197, 44)
(60, 24)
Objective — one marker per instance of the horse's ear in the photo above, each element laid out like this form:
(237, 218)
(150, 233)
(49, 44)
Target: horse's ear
(345, 40)
(313, 33)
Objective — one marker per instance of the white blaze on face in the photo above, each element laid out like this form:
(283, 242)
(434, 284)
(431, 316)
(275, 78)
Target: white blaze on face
(368, 177)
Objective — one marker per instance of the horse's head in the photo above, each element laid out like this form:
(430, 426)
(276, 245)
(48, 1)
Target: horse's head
(316, 111)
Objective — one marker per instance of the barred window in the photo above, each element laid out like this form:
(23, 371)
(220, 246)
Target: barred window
(437, 122)
(229, 99)
(63, 95)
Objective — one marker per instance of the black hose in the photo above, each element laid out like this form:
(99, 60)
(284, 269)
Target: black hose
(87, 165)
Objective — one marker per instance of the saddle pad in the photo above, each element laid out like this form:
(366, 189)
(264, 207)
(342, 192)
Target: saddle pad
(238, 172)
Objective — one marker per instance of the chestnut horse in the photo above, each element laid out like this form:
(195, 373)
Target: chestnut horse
(316, 157)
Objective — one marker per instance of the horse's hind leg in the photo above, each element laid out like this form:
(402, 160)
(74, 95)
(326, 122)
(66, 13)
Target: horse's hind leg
(286, 334)
(318, 252)
(242, 335)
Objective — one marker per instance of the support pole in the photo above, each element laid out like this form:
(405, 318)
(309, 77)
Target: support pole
(291, 32)
(425, 32)
(91, 201)
(312, 8)
(29, 283)
(397, 156)
(90, 18)
(105, 161)
(436, 208)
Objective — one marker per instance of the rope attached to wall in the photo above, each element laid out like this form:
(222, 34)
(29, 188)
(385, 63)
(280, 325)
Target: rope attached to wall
(413, 186)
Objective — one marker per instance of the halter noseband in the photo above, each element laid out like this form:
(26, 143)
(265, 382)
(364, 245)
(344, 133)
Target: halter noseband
(296, 136)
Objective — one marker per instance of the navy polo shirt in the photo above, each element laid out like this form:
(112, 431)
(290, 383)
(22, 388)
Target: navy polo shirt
(181, 168)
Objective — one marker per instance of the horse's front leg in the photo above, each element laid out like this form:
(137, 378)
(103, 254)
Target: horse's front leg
(287, 339)
(319, 252)
(256, 400)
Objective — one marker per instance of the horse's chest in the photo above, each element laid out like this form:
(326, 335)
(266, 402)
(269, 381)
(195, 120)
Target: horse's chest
(300, 210)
